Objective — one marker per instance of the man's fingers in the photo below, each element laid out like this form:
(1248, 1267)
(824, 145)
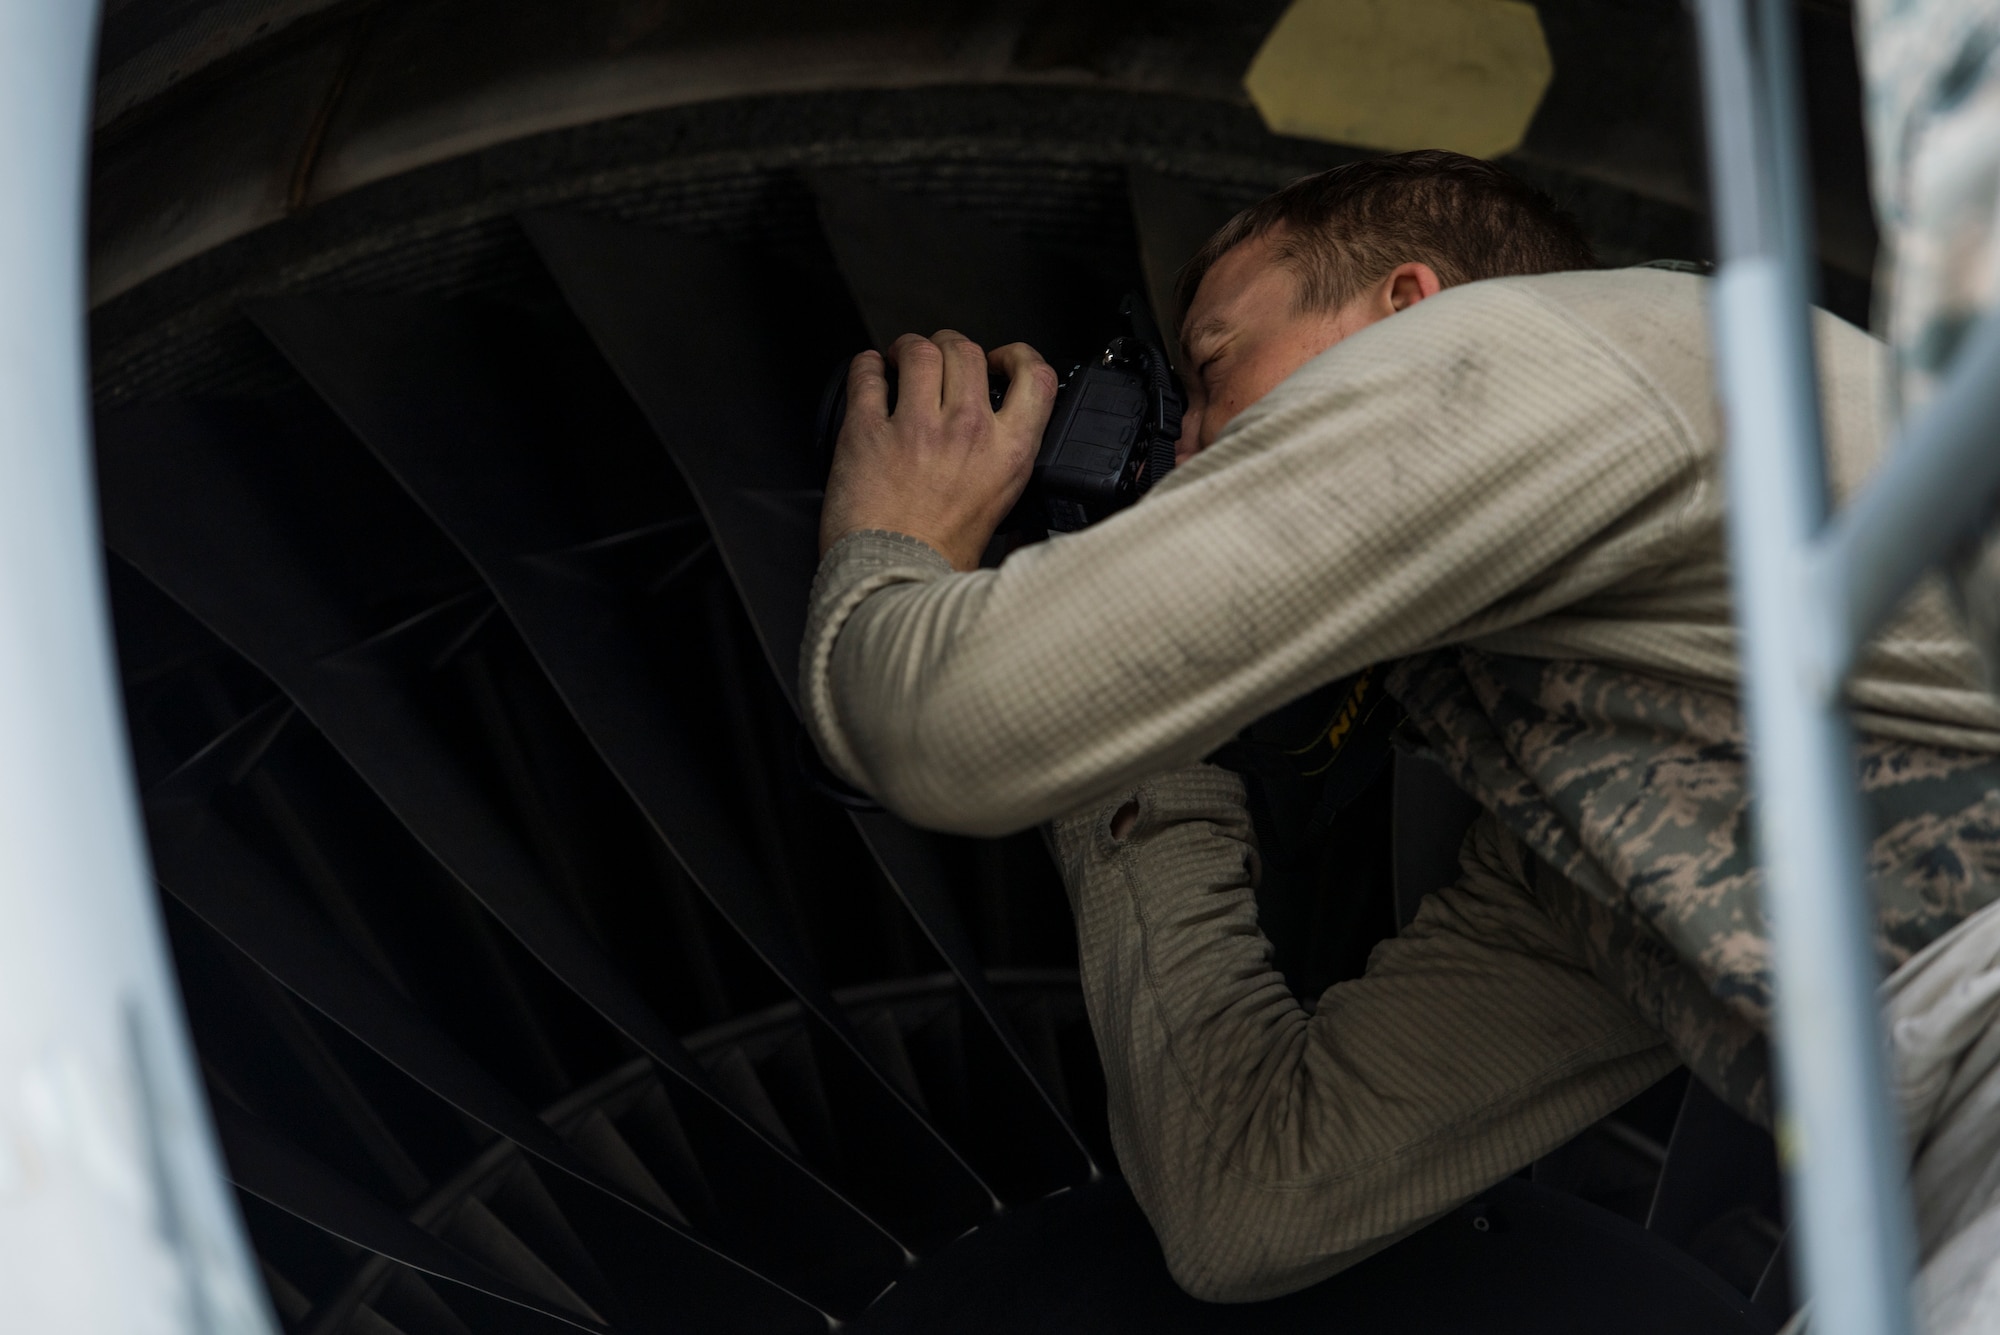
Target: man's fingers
(1031, 383)
(867, 387)
(919, 372)
(964, 388)
(942, 468)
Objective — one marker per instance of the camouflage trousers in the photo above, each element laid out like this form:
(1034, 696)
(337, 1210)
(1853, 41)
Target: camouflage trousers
(1632, 795)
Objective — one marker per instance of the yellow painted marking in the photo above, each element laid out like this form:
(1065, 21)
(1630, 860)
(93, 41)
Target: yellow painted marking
(1465, 75)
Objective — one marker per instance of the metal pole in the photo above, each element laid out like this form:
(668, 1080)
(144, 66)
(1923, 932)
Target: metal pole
(1837, 1126)
(113, 1214)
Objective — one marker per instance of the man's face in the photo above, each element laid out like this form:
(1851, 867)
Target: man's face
(1244, 332)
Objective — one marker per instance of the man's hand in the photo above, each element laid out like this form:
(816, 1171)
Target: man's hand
(944, 467)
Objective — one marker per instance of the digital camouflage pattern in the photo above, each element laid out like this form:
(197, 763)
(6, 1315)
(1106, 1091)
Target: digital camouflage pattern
(1632, 794)
(1933, 113)
(1932, 69)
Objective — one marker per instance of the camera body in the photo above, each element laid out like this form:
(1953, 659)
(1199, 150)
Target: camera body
(1110, 435)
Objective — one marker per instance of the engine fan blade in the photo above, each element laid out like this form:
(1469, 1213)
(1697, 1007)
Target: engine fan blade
(244, 899)
(917, 266)
(1173, 220)
(682, 321)
(443, 396)
(198, 501)
(268, 1166)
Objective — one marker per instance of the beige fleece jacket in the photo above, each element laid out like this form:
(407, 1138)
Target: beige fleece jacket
(1528, 465)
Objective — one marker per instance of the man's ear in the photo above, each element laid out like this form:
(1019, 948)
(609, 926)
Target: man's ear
(1409, 283)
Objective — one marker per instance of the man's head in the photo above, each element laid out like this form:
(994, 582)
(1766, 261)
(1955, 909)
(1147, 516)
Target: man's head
(1334, 252)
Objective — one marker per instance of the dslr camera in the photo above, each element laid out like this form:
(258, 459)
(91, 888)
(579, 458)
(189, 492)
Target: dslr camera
(1110, 436)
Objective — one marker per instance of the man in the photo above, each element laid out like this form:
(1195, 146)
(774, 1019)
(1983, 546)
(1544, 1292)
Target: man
(1503, 490)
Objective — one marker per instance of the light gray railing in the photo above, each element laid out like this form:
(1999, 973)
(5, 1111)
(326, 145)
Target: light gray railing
(113, 1212)
(1810, 588)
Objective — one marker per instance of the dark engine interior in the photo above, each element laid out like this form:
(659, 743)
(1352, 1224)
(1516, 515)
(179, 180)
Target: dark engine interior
(454, 454)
